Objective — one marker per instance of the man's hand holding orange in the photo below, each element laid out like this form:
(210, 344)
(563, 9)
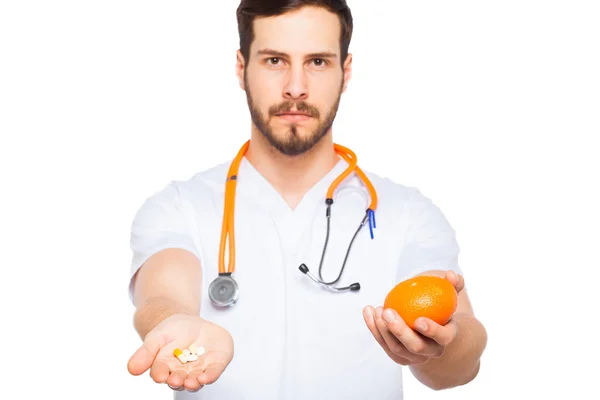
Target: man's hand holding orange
(415, 323)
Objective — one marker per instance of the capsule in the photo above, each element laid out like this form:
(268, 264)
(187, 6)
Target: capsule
(179, 354)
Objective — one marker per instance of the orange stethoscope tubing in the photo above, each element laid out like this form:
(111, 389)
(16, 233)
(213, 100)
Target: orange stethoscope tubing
(227, 229)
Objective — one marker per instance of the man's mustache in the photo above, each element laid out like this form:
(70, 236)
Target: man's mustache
(300, 106)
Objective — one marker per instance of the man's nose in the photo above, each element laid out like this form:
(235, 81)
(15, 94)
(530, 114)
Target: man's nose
(296, 85)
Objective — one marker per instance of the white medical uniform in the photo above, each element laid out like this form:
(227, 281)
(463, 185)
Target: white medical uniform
(295, 340)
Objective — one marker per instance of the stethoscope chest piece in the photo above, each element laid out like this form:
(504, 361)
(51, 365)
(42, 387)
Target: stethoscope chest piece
(223, 291)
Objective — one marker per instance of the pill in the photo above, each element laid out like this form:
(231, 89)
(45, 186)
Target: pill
(193, 349)
(200, 351)
(192, 357)
(179, 354)
(186, 352)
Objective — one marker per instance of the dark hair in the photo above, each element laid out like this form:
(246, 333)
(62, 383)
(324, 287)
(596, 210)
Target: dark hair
(250, 9)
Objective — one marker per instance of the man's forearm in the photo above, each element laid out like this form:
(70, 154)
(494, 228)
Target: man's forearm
(460, 362)
(154, 311)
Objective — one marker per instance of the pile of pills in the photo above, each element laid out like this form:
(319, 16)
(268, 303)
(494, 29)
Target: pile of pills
(190, 354)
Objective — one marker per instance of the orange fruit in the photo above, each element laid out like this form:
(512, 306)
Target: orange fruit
(427, 296)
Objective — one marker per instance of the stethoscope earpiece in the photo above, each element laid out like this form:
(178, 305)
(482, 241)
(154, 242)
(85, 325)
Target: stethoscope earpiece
(355, 287)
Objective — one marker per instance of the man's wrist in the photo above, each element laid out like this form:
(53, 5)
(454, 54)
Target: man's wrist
(154, 311)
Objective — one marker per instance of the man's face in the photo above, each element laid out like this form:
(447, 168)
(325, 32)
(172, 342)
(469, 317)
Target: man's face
(293, 79)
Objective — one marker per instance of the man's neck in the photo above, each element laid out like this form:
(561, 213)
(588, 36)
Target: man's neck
(292, 177)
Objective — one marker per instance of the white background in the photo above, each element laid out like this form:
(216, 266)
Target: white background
(494, 108)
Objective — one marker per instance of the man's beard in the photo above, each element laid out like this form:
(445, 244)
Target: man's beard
(292, 144)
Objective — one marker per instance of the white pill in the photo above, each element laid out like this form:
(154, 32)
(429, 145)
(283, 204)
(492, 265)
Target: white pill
(182, 358)
(200, 351)
(186, 352)
(193, 349)
(192, 357)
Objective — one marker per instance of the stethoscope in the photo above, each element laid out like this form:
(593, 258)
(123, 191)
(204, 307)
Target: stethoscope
(224, 290)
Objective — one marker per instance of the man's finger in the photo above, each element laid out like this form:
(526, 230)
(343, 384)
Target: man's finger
(211, 373)
(394, 344)
(159, 372)
(369, 317)
(176, 378)
(410, 340)
(191, 383)
(456, 280)
(443, 335)
(144, 356)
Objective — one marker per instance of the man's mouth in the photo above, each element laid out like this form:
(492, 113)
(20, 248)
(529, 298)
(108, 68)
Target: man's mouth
(293, 113)
(294, 116)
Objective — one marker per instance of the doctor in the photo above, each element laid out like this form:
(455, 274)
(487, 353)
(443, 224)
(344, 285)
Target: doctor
(278, 261)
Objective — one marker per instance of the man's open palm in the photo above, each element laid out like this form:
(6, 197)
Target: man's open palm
(181, 331)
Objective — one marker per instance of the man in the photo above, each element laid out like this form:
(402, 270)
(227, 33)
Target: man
(293, 338)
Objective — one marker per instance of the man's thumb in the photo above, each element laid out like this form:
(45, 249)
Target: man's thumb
(143, 358)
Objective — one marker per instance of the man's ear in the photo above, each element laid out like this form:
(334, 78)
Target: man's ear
(347, 71)
(240, 67)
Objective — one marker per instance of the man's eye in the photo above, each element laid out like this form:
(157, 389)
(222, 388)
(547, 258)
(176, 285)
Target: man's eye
(273, 60)
(319, 62)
